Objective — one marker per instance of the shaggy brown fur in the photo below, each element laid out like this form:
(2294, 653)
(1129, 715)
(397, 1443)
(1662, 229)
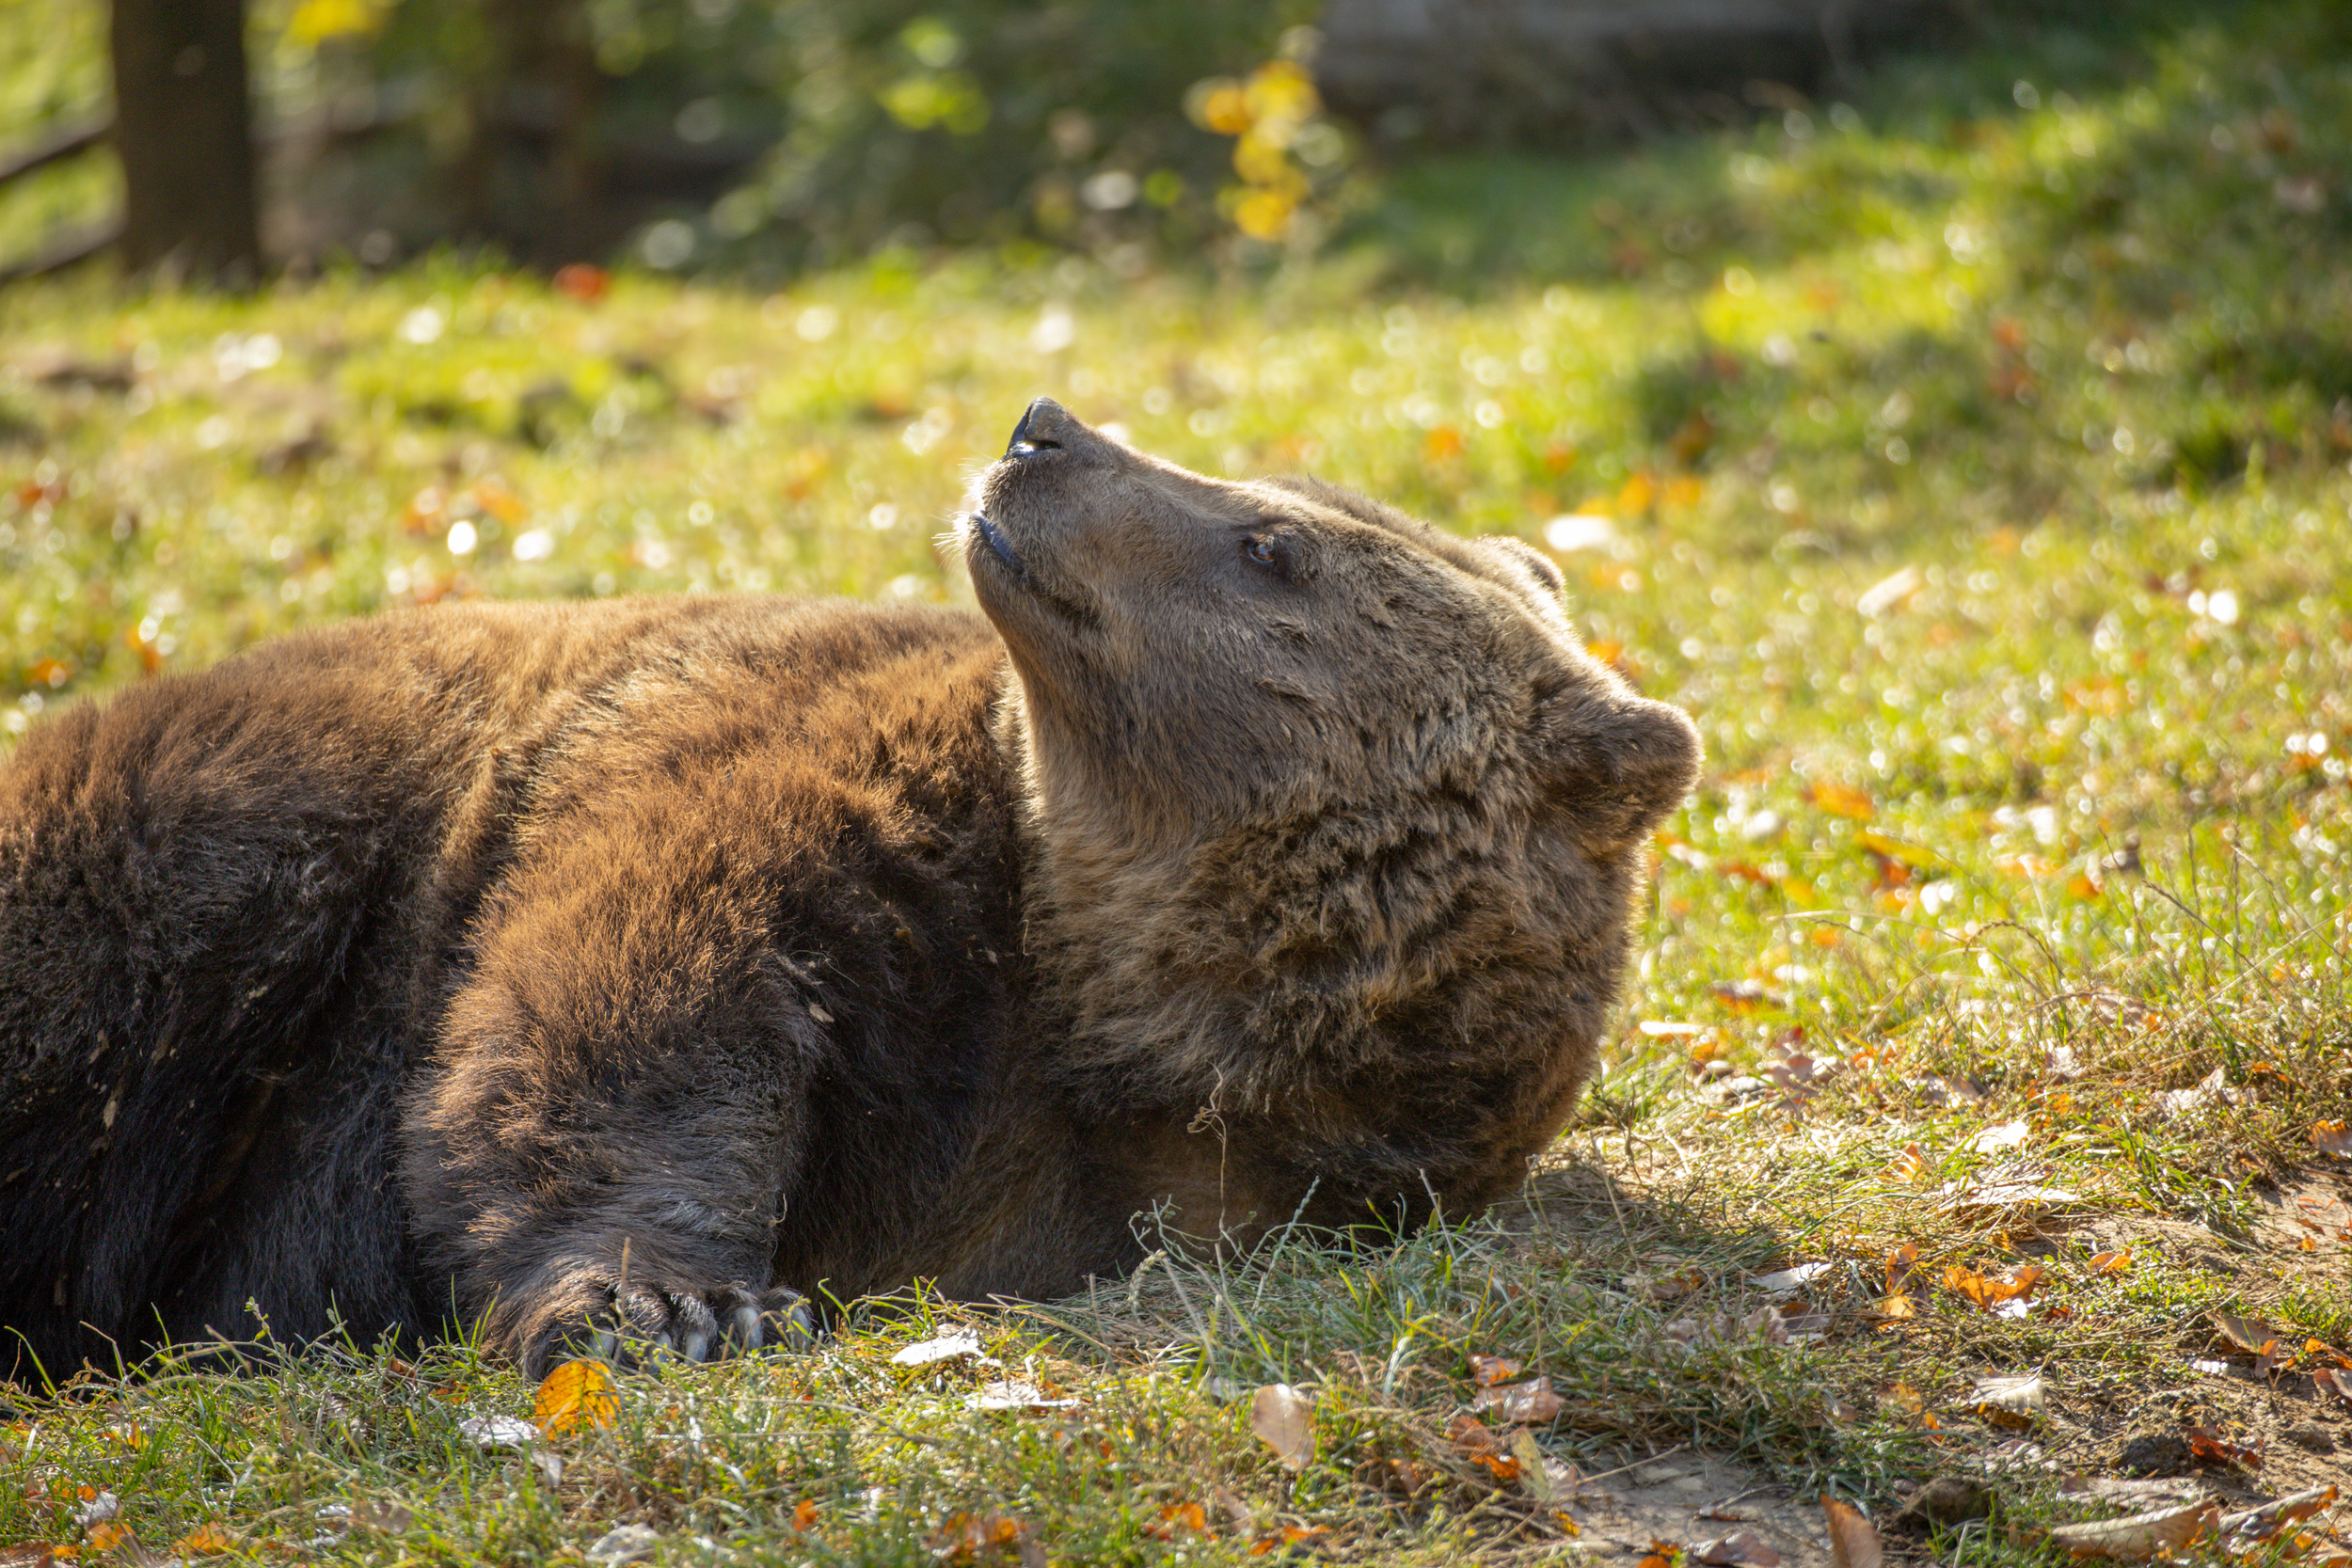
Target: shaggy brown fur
(640, 965)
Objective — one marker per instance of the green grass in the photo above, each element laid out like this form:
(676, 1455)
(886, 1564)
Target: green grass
(1976, 457)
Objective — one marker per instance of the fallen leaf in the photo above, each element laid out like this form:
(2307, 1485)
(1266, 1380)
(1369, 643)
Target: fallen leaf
(2211, 1090)
(2141, 1536)
(1176, 1518)
(2262, 1523)
(2117, 1261)
(1284, 1420)
(1984, 1197)
(804, 1514)
(1742, 1548)
(1894, 1310)
(387, 1515)
(2021, 1399)
(582, 283)
(1784, 1280)
(107, 1534)
(2209, 1447)
(1667, 1287)
(1988, 1295)
(488, 1433)
(205, 1540)
(1535, 1473)
(1854, 1541)
(1899, 1263)
(986, 1537)
(2330, 1381)
(1487, 1370)
(1474, 1441)
(2006, 1135)
(1662, 1553)
(2332, 1138)
(1014, 1394)
(624, 1544)
(1519, 1403)
(28, 1554)
(1290, 1535)
(577, 1394)
(946, 1347)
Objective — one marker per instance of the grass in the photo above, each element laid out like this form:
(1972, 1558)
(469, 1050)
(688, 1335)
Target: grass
(1971, 460)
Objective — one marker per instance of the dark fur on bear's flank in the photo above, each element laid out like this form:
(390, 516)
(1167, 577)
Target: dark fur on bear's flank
(647, 963)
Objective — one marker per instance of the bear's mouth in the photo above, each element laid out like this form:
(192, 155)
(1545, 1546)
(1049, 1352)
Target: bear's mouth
(993, 537)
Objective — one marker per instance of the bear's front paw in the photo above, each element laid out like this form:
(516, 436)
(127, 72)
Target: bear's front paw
(633, 1327)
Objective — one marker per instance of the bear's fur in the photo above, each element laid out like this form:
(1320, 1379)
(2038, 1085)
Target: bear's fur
(638, 965)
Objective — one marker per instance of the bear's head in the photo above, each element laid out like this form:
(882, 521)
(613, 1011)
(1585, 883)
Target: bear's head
(1316, 787)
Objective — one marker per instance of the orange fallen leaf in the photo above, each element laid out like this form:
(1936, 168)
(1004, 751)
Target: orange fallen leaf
(582, 283)
(1487, 1370)
(107, 1534)
(1854, 1541)
(804, 1514)
(1176, 1518)
(577, 1394)
(207, 1540)
(2214, 1449)
(1986, 1295)
(986, 1537)
(1290, 1535)
(1474, 1441)
(2117, 1261)
(498, 501)
(2332, 1138)
(1899, 1263)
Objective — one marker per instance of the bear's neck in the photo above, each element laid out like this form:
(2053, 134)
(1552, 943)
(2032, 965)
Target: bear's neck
(1368, 1004)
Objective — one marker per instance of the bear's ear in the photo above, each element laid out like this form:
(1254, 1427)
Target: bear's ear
(1529, 559)
(1619, 763)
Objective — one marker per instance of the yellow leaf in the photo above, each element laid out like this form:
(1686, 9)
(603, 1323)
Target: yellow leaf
(1840, 800)
(576, 1394)
(317, 21)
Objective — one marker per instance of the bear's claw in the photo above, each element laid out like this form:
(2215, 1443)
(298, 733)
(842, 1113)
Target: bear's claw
(646, 1323)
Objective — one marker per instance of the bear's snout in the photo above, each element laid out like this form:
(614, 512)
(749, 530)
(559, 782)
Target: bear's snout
(1040, 424)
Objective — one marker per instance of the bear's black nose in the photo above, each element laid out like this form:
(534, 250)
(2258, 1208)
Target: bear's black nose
(1039, 425)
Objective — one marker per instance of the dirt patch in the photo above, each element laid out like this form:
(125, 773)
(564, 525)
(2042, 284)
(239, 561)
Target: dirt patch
(1691, 1500)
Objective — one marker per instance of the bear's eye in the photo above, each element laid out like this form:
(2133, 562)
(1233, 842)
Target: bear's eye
(1259, 548)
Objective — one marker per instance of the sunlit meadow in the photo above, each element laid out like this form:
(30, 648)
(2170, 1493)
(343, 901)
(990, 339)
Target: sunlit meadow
(1969, 458)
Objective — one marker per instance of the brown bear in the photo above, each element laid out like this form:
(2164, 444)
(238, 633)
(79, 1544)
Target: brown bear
(628, 969)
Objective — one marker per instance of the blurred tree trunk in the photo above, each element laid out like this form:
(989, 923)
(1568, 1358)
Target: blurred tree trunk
(527, 178)
(184, 131)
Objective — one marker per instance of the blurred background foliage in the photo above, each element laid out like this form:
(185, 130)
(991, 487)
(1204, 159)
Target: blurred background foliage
(767, 136)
